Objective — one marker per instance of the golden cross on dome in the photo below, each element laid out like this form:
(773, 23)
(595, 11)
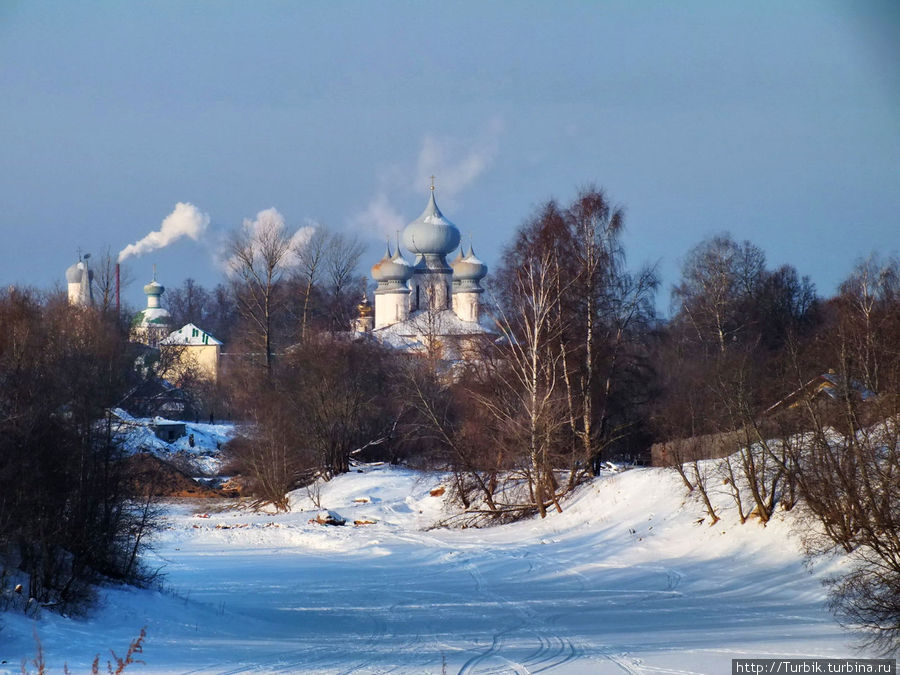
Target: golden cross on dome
(432, 182)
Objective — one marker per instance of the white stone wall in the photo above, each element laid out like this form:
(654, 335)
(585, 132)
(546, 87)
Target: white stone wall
(74, 294)
(391, 308)
(465, 306)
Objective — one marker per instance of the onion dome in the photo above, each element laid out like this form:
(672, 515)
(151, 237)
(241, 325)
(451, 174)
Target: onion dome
(397, 269)
(154, 288)
(392, 268)
(376, 272)
(153, 314)
(468, 268)
(364, 307)
(73, 273)
(431, 233)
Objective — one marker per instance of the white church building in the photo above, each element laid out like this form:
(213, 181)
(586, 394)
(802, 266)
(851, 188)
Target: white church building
(428, 304)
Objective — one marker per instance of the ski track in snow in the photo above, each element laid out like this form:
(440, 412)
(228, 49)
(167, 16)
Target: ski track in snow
(614, 584)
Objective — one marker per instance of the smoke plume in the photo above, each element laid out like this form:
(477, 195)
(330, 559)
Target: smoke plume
(381, 215)
(185, 221)
(456, 164)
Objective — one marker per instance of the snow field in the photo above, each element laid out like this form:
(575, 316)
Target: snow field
(624, 580)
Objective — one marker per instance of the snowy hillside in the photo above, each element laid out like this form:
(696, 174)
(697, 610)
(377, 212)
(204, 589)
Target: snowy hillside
(197, 449)
(624, 580)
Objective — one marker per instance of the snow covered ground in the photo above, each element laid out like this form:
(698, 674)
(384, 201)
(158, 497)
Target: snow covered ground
(624, 580)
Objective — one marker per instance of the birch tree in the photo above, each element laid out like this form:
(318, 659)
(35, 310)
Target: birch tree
(529, 327)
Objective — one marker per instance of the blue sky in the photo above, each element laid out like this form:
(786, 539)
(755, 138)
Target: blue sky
(778, 122)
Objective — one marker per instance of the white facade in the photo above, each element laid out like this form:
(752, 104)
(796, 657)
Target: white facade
(391, 308)
(431, 286)
(465, 306)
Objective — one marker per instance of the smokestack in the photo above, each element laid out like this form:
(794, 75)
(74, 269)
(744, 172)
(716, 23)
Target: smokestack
(118, 280)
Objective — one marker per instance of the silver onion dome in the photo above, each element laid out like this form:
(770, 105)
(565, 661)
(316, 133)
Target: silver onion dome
(431, 233)
(468, 268)
(154, 288)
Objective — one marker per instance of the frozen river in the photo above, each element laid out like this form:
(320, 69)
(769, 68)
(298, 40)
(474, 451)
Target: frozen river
(625, 580)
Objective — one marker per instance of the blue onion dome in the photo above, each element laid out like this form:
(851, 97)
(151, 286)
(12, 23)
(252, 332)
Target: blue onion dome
(154, 288)
(73, 273)
(469, 267)
(431, 233)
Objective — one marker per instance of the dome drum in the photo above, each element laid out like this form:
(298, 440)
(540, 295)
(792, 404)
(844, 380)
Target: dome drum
(392, 286)
(430, 262)
(466, 286)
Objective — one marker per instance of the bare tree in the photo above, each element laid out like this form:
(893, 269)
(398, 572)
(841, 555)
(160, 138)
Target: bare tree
(530, 327)
(311, 256)
(717, 274)
(66, 513)
(684, 456)
(189, 303)
(848, 466)
(867, 296)
(595, 227)
(604, 313)
(104, 268)
(341, 259)
(260, 254)
(434, 416)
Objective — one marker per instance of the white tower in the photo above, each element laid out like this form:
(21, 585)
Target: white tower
(154, 322)
(79, 280)
(468, 271)
(392, 273)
